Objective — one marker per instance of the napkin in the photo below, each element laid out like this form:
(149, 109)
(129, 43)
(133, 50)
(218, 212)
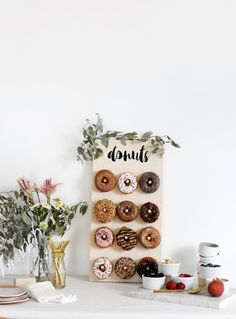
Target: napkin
(45, 292)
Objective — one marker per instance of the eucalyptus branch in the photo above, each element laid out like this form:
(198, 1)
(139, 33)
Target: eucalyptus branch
(89, 149)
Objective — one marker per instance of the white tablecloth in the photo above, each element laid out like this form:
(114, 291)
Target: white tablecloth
(108, 300)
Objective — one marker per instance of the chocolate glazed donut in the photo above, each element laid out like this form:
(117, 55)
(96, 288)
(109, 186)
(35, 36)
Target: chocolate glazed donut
(105, 180)
(147, 266)
(149, 182)
(127, 211)
(126, 238)
(149, 212)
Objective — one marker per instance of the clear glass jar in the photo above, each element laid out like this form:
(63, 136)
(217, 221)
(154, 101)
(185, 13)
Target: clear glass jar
(40, 259)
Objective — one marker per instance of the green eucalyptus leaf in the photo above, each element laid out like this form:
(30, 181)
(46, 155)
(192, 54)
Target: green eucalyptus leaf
(98, 153)
(99, 124)
(123, 140)
(105, 141)
(175, 144)
(83, 208)
(147, 135)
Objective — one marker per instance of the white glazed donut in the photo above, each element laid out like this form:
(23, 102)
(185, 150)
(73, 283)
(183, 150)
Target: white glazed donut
(127, 183)
(102, 268)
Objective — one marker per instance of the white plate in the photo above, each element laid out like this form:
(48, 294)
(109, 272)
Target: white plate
(8, 302)
(12, 292)
(13, 298)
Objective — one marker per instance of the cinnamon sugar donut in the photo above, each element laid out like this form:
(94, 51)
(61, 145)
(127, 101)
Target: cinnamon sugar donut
(149, 237)
(105, 180)
(104, 237)
(102, 268)
(127, 211)
(104, 210)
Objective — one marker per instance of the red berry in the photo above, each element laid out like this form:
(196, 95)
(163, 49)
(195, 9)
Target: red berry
(185, 275)
(180, 286)
(171, 285)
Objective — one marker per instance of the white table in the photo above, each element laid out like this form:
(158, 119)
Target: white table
(108, 300)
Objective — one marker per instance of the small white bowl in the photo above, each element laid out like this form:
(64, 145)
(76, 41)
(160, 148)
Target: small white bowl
(226, 283)
(169, 269)
(188, 281)
(206, 249)
(153, 283)
(209, 272)
(212, 260)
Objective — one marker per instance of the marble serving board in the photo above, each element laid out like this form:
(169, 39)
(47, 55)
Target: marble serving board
(136, 167)
(184, 298)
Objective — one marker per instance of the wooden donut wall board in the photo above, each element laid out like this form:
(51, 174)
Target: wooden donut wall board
(117, 167)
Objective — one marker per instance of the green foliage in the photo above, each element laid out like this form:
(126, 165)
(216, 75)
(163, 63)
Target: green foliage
(89, 149)
(14, 225)
(19, 217)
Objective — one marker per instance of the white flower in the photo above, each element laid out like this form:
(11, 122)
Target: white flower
(35, 206)
(43, 225)
(58, 203)
(66, 206)
(47, 206)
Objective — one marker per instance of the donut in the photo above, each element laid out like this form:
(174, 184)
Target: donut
(149, 182)
(147, 266)
(104, 210)
(104, 237)
(102, 268)
(125, 267)
(105, 180)
(149, 237)
(127, 183)
(149, 212)
(126, 238)
(127, 211)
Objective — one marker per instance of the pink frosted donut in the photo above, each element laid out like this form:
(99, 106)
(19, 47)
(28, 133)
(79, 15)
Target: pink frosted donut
(104, 237)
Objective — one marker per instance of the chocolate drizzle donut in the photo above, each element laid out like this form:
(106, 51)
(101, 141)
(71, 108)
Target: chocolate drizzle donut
(126, 238)
(105, 180)
(149, 237)
(102, 268)
(105, 210)
(127, 211)
(147, 266)
(104, 237)
(149, 182)
(127, 183)
(125, 267)
(149, 212)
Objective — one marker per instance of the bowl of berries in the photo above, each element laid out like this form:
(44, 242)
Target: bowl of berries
(153, 281)
(209, 270)
(186, 279)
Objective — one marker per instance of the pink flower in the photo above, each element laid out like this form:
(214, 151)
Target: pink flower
(25, 186)
(48, 188)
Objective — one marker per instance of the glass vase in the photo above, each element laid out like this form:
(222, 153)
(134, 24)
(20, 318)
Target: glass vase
(58, 277)
(40, 259)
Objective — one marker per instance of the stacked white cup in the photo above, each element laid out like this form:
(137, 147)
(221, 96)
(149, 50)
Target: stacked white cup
(209, 261)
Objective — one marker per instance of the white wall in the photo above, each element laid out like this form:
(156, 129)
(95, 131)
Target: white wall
(167, 66)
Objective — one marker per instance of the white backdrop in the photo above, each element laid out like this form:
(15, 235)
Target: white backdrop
(167, 66)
